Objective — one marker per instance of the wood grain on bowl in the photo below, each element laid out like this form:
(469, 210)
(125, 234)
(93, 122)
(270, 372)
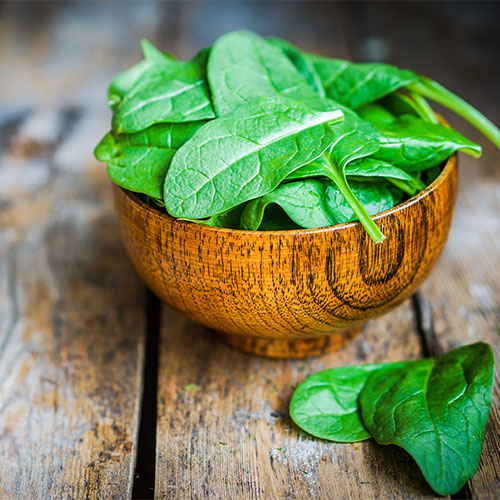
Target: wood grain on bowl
(287, 285)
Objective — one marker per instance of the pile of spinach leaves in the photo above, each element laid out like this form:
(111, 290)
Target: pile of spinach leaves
(435, 409)
(253, 133)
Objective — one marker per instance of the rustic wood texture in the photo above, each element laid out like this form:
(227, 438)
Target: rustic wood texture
(224, 429)
(72, 322)
(71, 335)
(286, 285)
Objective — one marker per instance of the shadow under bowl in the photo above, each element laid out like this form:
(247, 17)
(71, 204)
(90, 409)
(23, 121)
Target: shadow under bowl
(288, 293)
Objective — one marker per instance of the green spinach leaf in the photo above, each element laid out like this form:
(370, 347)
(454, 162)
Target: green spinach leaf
(413, 144)
(436, 409)
(354, 139)
(355, 84)
(122, 83)
(312, 203)
(174, 91)
(376, 114)
(348, 83)
(155, 56)
(400, 104)
(243, 67)
(139, 162)
(243, 155)
(326, 404)
(363, 168)
(436, 92)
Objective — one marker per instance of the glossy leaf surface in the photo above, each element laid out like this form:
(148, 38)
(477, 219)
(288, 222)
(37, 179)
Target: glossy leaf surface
(244, 155)
(139, 162)
(314, 203)
(413, 144)
(243, 67)
(166, 93)
(436, 409)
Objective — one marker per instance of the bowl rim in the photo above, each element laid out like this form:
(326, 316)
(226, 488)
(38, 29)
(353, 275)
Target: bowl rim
(450, 165)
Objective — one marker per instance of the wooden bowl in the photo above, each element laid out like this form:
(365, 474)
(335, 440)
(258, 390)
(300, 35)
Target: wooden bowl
(288, 293)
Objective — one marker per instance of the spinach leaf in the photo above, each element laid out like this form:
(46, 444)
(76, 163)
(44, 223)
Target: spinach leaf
(139, 162)
(370, 167)
(174, 91)
(243, 155)
(354, 85)
(436, 92)
(312, 203)
(354, 139)
(155, 56)
(326, 404)
(302, 63)
(124, 81)
(412, 144)
(348, 83)
(436, 409)
(276, 219)
(400, 104)
(364, 167)
(229, 219)
(376, 114)
(243, 67)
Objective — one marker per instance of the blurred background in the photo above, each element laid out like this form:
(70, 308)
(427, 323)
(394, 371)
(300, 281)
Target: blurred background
(56, 58)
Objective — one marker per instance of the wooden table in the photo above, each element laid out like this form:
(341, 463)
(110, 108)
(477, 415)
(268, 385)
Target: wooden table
(86, 353)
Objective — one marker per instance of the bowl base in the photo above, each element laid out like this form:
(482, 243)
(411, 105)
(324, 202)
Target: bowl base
(292, 348)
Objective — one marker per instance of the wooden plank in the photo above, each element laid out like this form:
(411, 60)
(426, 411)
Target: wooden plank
(71, 322)
(463, 294)
(223, 428)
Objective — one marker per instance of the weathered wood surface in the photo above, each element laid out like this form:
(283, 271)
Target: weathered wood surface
(73, 315)
(224, 429)
(72, 322)
(71, 332)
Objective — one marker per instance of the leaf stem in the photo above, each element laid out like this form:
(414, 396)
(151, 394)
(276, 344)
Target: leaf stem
(432, 90)
(423, 108)
(340, 180)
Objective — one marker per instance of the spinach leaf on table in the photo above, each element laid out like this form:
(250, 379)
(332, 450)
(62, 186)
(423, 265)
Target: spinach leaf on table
(139, 162)
(436, 409)
(312, 203)
(243, 155)
(243, 67)
(326, 404)
(173, 91)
